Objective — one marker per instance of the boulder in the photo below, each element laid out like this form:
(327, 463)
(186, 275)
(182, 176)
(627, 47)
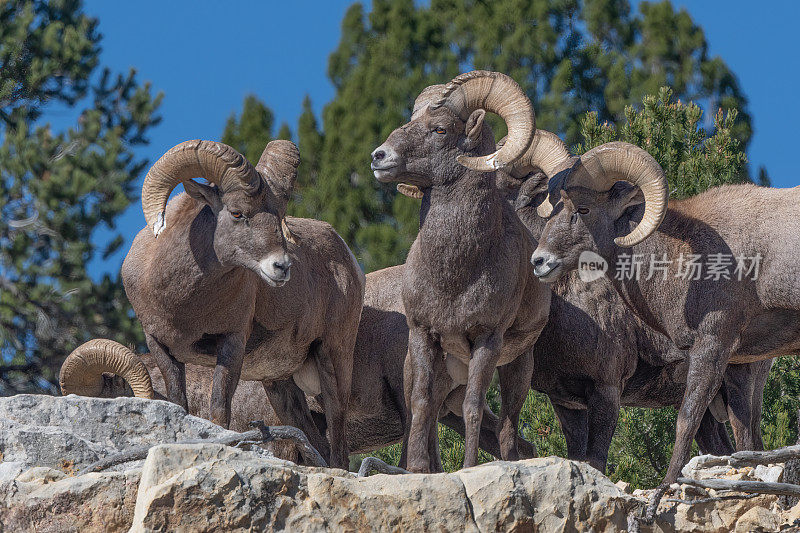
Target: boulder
(46, 502)
(45, 442)
(769, 473)
(710, 515)
(758, 520)
(209, 487)
(71, 432)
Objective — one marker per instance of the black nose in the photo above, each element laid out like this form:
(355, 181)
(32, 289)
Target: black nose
(283, 266)
(378, 155)
(539, 261)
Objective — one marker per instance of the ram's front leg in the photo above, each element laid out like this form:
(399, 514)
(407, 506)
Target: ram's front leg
(408, 387)
(708, 359)
(485, 353)
(423, 351)
(230, 354)
(515, 381)
(603, 414)
(172, 370)
(335, 367)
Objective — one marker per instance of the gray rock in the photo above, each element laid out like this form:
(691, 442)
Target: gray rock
(769, 473)
(208, 487)
(44, 500)
(71, 432)
(211, 487)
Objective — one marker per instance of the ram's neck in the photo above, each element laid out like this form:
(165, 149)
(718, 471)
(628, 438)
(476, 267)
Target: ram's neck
(463, 218)
(188, 246)
(647, 275)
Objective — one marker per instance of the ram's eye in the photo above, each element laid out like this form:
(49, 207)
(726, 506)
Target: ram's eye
(236, 214)
(574, 218)
(583, 210)
(440, 131)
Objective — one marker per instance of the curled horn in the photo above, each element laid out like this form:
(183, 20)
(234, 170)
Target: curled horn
(278, 165)
(429, 94)
(217, 162)
(497, 93)
(82, 371)
(606, 164)
(547, 153)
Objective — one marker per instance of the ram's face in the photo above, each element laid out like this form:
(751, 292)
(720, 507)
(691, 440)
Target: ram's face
(423, 152)
(250, 230)
(585, 220)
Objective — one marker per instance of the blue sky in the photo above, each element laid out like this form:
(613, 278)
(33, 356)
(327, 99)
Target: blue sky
(206, 56)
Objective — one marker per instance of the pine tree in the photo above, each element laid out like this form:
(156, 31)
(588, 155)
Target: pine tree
(383, 61)
(47, 51)
(671, 132)
(58, 186)
(252, 130)
(570, 57)
(284, 132)
(763, 177)
(309, 142)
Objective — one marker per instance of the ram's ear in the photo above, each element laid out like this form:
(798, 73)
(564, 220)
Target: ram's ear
(288, 234)
(625, 196)
(208, 194)
(474, 129)
(534, 191)
(567, 201)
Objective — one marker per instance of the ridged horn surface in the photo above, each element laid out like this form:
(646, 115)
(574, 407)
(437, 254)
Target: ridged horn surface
(214, 161)
(82, 371)
(496, 93)
(608, 163)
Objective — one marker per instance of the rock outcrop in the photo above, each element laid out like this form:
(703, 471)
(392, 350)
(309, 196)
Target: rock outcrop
(70, 432)
(45, 441)
(213, 487)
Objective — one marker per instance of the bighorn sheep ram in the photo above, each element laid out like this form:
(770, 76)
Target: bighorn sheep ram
(739, 317)
(616, 359)
(467, 289)
(376, 415)
(222, 277)
(595, 354)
